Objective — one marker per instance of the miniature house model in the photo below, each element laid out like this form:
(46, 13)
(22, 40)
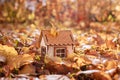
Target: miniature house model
(60, 45)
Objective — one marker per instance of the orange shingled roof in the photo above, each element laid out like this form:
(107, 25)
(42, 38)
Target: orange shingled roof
(63, 37)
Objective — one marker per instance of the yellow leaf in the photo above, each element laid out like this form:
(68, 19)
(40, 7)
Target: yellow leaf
(21, 60)
(19, 12)
(31, 16)
(8, 52)
(5, 14)
(53, 31)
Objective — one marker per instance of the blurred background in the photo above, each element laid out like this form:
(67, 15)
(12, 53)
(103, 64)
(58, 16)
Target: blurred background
(79, 14)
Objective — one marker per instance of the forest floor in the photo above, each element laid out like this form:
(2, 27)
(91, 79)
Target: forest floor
(96, 56)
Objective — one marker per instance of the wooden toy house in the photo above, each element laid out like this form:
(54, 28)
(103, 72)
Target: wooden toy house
(60, 45)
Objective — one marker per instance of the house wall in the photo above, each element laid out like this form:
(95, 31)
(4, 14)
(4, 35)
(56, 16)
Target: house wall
(70, 49)
(42, 42)
(50, 51)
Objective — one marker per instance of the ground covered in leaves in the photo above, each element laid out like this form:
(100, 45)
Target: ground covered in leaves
(96, 56)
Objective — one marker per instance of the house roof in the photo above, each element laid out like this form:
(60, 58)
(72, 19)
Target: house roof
(63, 37)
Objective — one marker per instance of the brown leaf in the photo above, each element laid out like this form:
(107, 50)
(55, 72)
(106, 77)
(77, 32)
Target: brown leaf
(110, 44)
(21, 60)
(98, 39)
(101, 76)
(27, 69)
(110, 64)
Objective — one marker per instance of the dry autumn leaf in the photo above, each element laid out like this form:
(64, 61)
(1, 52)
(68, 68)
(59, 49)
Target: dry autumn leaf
(21, 60)
(101, 76)
(110, 64)
(53, 32)
(8, 52)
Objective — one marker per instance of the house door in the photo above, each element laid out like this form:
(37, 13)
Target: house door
(43, 50)
(60, 52)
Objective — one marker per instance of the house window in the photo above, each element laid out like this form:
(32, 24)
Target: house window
(60, 52)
